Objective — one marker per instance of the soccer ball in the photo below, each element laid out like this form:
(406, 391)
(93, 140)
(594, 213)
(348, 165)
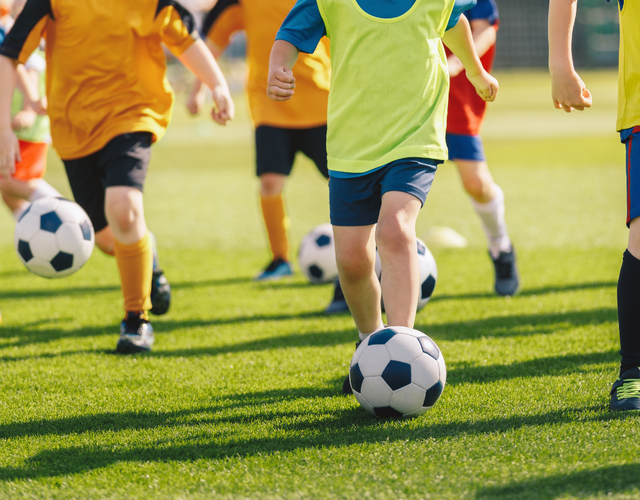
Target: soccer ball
(54, 237)
(317, 255)
(397, 372)
(428, 273)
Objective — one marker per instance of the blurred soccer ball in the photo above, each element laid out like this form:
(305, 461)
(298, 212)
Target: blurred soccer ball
(54, 237)
(317, 257)
(397, 372)
(428, 273)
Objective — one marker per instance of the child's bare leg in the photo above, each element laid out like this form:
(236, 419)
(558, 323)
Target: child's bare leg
(356, 256)
(125, 213)
(476, 179)
(396, 240)
(105, 240)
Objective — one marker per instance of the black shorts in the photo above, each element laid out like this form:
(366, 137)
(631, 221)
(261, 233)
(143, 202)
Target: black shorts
(122, 162)
(276, 148)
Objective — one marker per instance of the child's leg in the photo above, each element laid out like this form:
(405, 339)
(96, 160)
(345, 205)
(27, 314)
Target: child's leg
(274, 214)
(396, 241)
(628, 300)
(356, 256)
(488, 201)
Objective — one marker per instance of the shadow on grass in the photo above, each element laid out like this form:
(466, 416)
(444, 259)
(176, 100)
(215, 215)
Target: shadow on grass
(528, 292)
(604, 481)
(192, 434)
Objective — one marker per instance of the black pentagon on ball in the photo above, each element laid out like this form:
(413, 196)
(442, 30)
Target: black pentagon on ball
(421, 248)
(397, 374)
(429, 347)
(427, 287)
(315, 271)
(381, 337)
(85, 226)
(62, 261)
(387, 412)
(50, 222)
(25, 250)
(433, 394)
(323, 240)
(356, 378)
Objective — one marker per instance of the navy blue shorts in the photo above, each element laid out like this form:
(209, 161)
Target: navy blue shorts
(276, 148)
(631, 139)
(356, 201)
(465, 147)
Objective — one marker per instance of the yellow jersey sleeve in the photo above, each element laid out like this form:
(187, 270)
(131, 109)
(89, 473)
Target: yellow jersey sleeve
(26, 33)
(177, 26)
(222, 22)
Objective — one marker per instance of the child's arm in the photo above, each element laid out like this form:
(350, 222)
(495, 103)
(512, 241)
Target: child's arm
(196, 97)
(484, 37)
(29, 88)
(460, 42)
(568, 91)
(281, 82)
(9, 148)
(200, 61)
(26, 117)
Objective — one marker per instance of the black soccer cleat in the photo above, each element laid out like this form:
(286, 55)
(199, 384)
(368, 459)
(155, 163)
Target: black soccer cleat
(625, 393)
(338, 303)
(506, 269)
(346, 385)
(136, 334)
(160, 293)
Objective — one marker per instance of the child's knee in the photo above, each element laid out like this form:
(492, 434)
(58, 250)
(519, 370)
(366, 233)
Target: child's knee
(394, 234)
(355, 264)
(123, 213)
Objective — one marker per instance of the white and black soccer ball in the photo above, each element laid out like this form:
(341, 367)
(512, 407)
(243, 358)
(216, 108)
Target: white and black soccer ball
(397, 372)
(317, 255)
(428, 273)
(54, 237)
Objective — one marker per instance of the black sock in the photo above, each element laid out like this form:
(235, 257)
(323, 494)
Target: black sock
(629, 312)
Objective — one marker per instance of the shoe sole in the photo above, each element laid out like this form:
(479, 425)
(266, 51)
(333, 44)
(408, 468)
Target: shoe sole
(128, 348)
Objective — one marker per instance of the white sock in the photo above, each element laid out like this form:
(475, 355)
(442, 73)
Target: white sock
(493, 223)
(17, 213)
(42, 189)
(365, 335)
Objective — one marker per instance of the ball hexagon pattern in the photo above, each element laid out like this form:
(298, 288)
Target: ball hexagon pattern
(316, 257)
(54, 237)
(428, 273)
(397, 372)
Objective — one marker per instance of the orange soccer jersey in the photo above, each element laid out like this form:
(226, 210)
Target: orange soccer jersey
(261, 20)
(105, 66)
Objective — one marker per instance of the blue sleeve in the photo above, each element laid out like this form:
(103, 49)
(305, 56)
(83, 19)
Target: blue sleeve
(485, 9)
(1, 35)
(458, 9)
(303, 27)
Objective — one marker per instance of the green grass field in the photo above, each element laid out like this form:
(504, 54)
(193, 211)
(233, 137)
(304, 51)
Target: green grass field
(241, 396)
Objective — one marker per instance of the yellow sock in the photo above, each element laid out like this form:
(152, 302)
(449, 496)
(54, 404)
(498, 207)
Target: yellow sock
(135, 263)
(275, 219)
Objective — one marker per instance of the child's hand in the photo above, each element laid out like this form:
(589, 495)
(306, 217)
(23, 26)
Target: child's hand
(195, 101)
(280, 84)
(224, 109)
(23, 119)
(40, 105)
(569, 92)
(486, 86)
(9, 153)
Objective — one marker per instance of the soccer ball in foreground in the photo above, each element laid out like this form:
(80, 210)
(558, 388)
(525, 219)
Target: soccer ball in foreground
(428, 273)
(317, 255)
(54, 237)
(397, 372)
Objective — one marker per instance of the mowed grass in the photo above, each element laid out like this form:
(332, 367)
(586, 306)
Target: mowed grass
(240, 397)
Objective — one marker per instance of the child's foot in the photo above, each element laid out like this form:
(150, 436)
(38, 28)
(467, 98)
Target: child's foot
(160, 293)
(136, 334)
(278, 268)
(625, 393)
(506, 269)
(346, 385)
(338, 304)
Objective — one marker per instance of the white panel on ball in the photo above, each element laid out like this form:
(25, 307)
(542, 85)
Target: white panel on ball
(404, 348)
(376, 392)
(425, 371)
(373, 361)
(408, 399)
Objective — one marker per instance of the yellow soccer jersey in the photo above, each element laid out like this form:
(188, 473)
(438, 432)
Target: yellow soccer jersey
(629, 79)
(105, 66)
(261, 20)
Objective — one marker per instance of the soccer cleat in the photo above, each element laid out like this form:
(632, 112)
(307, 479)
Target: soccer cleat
(278, 268)
(346, 385)
(625, 393)
(338, 303)
(136, 334)
(506, 269)
(160, 293)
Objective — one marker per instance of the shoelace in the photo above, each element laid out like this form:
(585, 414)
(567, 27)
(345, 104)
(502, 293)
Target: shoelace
(630, 388)
(273, 266)
(504, 269)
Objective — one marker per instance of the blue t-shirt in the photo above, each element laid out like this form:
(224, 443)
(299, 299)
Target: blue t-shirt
(304, 26)
(485, 9)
